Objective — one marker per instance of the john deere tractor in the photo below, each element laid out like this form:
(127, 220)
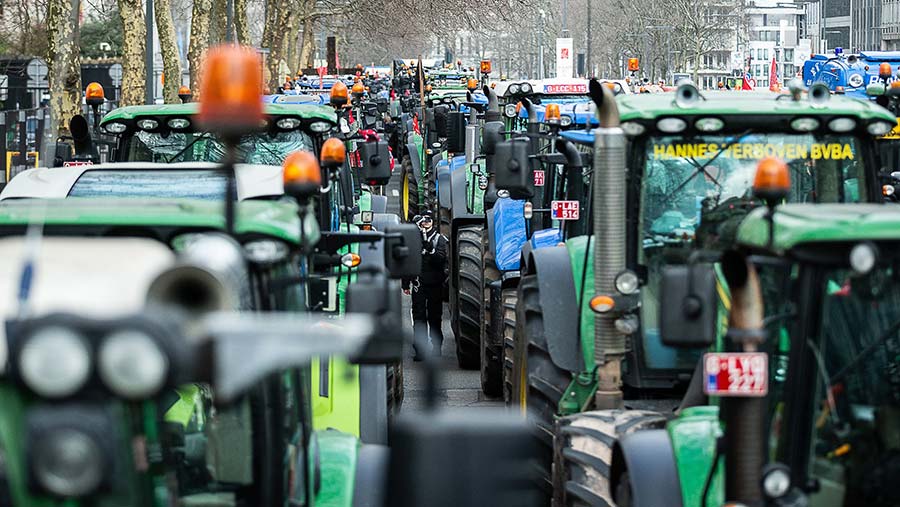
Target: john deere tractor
(672, 175)
(798, 403)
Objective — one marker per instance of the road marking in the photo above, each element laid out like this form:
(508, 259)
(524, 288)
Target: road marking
(395, 193)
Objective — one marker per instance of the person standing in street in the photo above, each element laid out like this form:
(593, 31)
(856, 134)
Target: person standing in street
(427, 289)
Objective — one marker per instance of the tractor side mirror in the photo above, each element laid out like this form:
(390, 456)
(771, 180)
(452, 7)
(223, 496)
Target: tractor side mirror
(512, 168)
(689, 306)
(456, 132)
(432, 454)
(374, 295)
(81, 137)
(490, 136)
(376, 162)
(403, 251)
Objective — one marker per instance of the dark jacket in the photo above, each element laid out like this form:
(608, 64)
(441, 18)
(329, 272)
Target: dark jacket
(434, 260)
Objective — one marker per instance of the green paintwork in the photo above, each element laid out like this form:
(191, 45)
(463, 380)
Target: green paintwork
(796, 224)
(365, 201)
(267, 218)
(474, 200)
(649, 106)
(576, 247)
(304, 111)
(693, 434)
(579, 395)
(337, 460)
(12, 422)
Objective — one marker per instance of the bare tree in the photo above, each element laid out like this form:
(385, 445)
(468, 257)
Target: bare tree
(169, 50)
(241, 29)
(64, 64)
(134, 33)
(703, 26)
(199, 41)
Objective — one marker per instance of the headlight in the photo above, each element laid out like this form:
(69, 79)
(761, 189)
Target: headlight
(632, 128)
(842, 124)
(627, 282)
(525, 88)
(132, 364)
(879, 128)
(265, 251)
(178, 123)
(55, 362)
(320, 126)
(863, 258)
(855, 80)
(513, 89)
(291, 124)
(115, 127)
(565, 120)
(776, 480)
(709, 124)
(67, 462)
(147, 124)
(804, 124)
(509, 111)
(671, 125)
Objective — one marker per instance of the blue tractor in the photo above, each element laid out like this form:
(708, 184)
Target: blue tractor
(850, 74)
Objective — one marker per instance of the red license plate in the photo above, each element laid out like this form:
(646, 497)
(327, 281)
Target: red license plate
(539, 178)
(736, 374)
(565, 88)
(76, 163)
(564, 210)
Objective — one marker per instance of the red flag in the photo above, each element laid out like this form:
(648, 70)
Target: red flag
(748, 82)
(773, 77)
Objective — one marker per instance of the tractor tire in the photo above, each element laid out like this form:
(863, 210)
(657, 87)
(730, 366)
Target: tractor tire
(491, 364)
(395, 388)
(469, 296)
(583, 453)
(538, 384)
(509, 298)
(409, 193)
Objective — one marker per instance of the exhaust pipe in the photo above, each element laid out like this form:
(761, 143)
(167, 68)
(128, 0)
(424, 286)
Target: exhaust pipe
(210, 275)
(609, 238)
(743, 417)
(493, 108)
(819, 94)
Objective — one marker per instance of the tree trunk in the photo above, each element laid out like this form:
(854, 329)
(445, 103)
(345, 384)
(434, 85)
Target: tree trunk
(218, 22)
(64, 67)
(292, 43)
(133, 34)
(169, 49)
(241, 29)
(308, 45)
(199, 41)
(277, 21)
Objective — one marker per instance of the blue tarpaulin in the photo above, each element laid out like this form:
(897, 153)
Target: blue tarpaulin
(509, 233)
(546, 237)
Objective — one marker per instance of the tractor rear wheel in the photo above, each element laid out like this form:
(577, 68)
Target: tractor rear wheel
(583, 453)
(491, 347)
(509, 297)
(540, 384)
(409, 193)
(470, 296)
(395, 388)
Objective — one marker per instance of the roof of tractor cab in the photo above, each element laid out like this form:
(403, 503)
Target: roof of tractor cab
(797, 224)
(304, 111)
(276, 219)
(649, 106)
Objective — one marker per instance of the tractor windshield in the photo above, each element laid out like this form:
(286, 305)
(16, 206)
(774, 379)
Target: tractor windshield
(261, 148)
(695, 192)
(856, 433)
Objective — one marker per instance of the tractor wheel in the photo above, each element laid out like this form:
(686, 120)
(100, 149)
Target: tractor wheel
(491, 346)
(508, 298)
(540, 384)
(395, 388)
(470, 295)
(409, 194)
(583, 453)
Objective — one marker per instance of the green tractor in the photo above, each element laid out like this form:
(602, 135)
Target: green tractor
(587, 335)
(799, 402)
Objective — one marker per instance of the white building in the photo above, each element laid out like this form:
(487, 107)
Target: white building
(774, 30)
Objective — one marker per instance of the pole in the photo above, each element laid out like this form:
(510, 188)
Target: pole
(565, 15)
(229, 21)
(589, 69)
(150, 89)
(541, 48)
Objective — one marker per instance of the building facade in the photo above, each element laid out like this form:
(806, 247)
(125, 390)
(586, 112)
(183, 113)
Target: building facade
(854, 25)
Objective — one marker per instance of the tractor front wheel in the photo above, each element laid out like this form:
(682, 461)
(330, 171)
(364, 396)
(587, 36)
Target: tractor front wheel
(582, 453)
(469, 296)
(508, 299)
(491, 347)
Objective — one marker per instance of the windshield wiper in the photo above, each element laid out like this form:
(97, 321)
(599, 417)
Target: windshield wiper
(702, 169)
(204, 135)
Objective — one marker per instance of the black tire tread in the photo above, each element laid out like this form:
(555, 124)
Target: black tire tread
(583, 450)
(470, 295)
(491, 356)
(509, 298)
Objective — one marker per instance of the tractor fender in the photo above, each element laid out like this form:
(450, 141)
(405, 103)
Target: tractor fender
(415, 160)
(489, 216)
(370, 484)
(336, 462)
(525, 261)
(458, 188)
(442, 169)
(648, 454)
(560, 310)
(373, 427)
(379, 203)
(381, 221)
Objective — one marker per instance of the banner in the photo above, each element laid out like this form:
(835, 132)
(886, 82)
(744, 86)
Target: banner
(565, 60)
